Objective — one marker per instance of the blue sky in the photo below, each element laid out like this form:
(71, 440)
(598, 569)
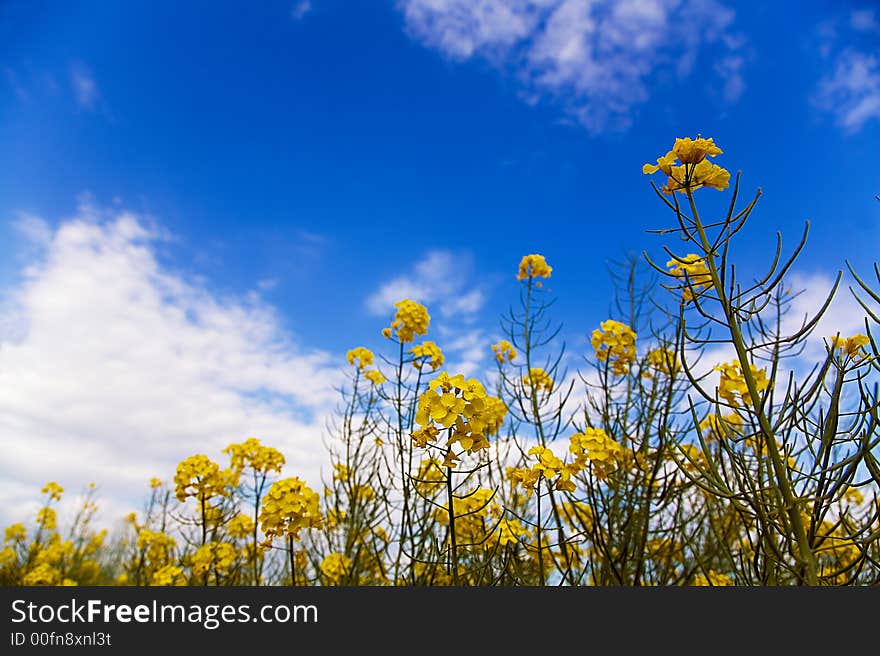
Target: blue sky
(216, 200)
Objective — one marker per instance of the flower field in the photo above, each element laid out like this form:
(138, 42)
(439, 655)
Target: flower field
(693, 445)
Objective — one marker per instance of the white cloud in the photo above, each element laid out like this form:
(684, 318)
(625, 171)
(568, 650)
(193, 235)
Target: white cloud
(851, 91)
(593, 56)
(85, 89)
(113, 369)
(467, 351)
(300, 9)
(33, 228)
(864, 20)
(730, 70)
(844, 315)
(441, 278)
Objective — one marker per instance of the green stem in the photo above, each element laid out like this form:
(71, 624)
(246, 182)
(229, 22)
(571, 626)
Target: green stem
(805, 553)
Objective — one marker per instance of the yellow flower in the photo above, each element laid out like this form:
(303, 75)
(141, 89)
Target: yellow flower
(470, 512)
(216, 557)
(721, 427)
(615, 342)
(693, 273)
(424, 435)
(694, 151)
(42, 574)
(712, 578)
(695, 170)
(851, 346)
(732, 386)
(53, 490)
(596, 447)
(251, 453)
(507, 530)
(462, 406)
(198, 476)
(15, 533)
(411, 319)
(364, 357)
(168, 575)
(710, 175)
(533, 266)
(334, 567)
(504, 351)
(47, 518)
(539, 379)
(156, 548)
(427, 353)
(241, 526)
(288, 507)
(664, 163)
(155, 483)
(663, 360)
(375, 376)
(429, 477)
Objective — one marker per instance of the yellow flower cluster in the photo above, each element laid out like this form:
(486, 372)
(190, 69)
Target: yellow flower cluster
(596, 447)
(216, 557)
(363, 356)
(548, 465)
(663, 360)
(156, 548)
(717, 428)
(852, 347)
(539, 379)
(199, 476)
(694, 171)
(463, 406)
(335, 567)
(712, 578)
(615, 342)
(375, 376)
(47, 519)
(288, 507)
(15, 533)
(241, 526)
(533, 266)
(251, 453)
(507, 530)
(45, 574)
(53, 490)
(427, 353)
(469, 512)
(429, 477)
(693, 273)
(168, 575)
(411, 319)
(504, 351)
(732, 385)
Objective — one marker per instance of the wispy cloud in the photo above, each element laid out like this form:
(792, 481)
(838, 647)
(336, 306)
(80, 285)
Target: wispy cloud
(113, 368)
(300, 9)
(83, 85)
(730, 70)
(593, 57)
(850, 89)
(441, 279)
(864, 20)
